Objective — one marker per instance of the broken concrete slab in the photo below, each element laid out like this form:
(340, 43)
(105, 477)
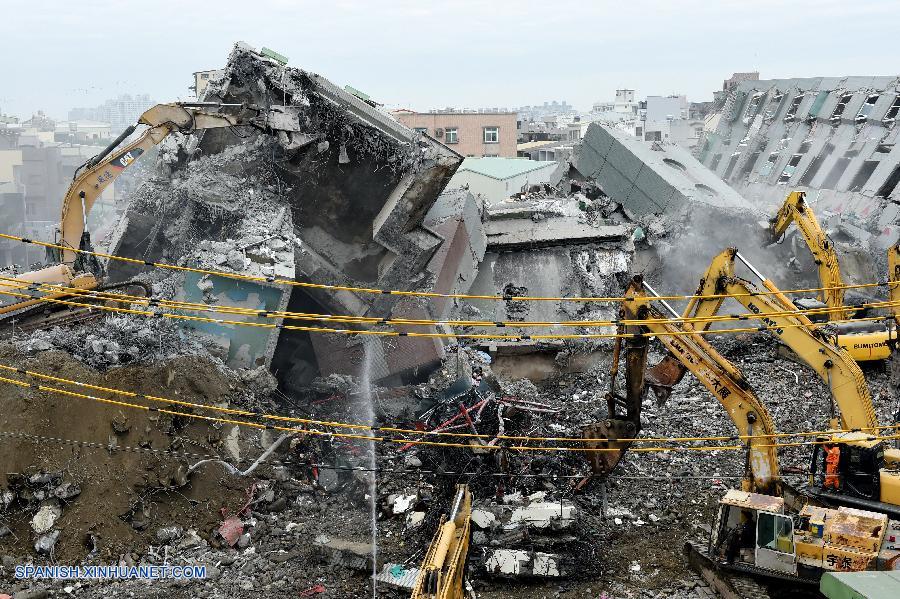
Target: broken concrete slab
(46, 542)
(348, 554)
(545, 515)
(516, 563)
(484, 519)
(414, 520)
(509, 234)
(566, 270)
(400, 504)
(45, 518)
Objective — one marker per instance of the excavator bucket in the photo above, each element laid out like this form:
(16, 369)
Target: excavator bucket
(605, 453)
(663, 376)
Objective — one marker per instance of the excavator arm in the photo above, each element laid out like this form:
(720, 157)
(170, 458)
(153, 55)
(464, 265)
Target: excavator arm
(715, 372)
(795, 210)
(100, 171)
(443, 571)
(82, 271)
(893, 261)
(833, 365)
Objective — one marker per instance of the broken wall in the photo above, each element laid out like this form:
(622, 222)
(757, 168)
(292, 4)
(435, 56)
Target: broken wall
(548, 247)
(686, 213)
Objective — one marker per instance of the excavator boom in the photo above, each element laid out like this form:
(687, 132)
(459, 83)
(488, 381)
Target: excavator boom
(893, 260)
(833, 364)
(99, 172)
(442, 575)
(865, 341)
(723, 380)
(795, 210)
(82, 271)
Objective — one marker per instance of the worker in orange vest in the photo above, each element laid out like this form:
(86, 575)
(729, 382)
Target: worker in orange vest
(832, 458)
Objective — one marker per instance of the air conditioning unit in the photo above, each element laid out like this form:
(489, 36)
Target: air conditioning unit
(439, 133)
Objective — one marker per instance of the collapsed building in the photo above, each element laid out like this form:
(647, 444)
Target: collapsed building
(834, 137)
(679, 206)
(341, 204)
(357, 202)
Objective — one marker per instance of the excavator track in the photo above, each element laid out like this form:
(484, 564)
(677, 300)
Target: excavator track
(45, 316)
(729, 584)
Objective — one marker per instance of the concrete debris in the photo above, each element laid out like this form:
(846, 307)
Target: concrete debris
(414, 520)
(521, 564)
(400, 504)
(46, 542)
(67, 490)
(169, 534)
(540, 515)
(348, 554)
(45, 518)
(484, 519)
(243, 541)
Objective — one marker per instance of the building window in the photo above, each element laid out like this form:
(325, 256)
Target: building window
(491, 135)
(789, 169)
(892, 111)
(450, 136)
(866, 108)
(839, 109)
(794, 107)
(421, 130)
(491, 155)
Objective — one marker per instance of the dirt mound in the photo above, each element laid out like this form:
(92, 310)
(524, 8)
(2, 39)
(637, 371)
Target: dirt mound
(128, 493)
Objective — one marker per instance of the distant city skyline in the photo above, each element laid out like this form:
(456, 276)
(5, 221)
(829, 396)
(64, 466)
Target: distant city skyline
(426, 55)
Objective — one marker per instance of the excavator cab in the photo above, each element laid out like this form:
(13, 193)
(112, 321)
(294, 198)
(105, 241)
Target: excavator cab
(753, 533)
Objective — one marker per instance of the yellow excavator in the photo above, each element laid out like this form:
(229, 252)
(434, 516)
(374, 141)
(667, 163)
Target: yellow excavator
(869, 473)
(864, 340)
(765, 528)
(443, 571)
(83, 271)
(715, 372)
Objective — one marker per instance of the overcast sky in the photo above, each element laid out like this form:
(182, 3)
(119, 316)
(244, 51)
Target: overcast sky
(55, 55)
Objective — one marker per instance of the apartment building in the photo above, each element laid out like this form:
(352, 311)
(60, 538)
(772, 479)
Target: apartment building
(202, 79)
(835, 137)
(119, 112)
(471, 134)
